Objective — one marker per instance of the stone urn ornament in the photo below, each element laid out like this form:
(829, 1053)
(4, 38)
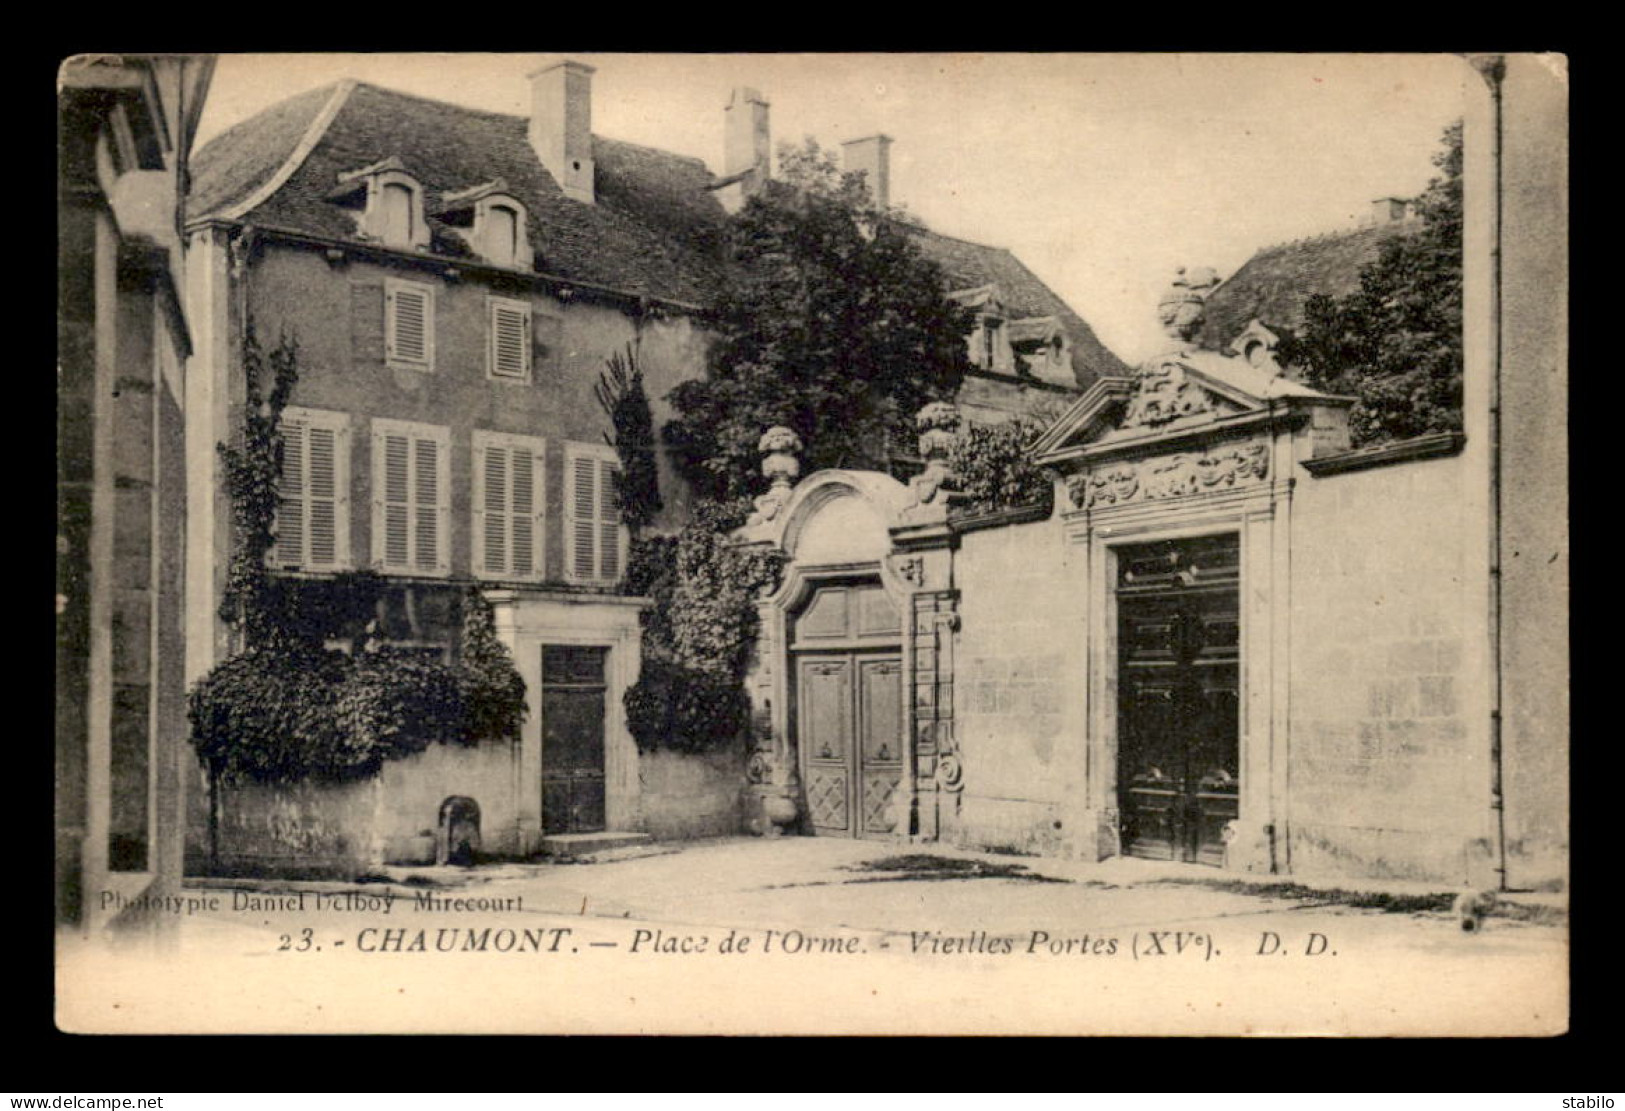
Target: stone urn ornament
(779, 447)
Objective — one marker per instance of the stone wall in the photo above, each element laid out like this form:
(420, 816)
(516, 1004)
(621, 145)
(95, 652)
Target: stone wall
(298, 830)
(691, 794)
(1388, 766)
(1018, 679)
(412, 791)
(342, 830)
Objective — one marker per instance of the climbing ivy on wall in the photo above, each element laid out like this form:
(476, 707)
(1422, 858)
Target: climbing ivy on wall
(287, 707)
(994, 469)
(698, 634)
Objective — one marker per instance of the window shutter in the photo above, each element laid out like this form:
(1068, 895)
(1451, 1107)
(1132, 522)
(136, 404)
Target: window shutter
(609, 523)
(510, 340)
(584, 499)
(408, 315)
(492, 527)
(290, 513)
(322, 497)
(392, 526)
(523, 468)
(426, 504)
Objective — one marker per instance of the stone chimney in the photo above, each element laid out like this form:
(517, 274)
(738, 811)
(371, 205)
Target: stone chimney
(561, 125)
(871, 157)
(747, 148)
(1389, 210)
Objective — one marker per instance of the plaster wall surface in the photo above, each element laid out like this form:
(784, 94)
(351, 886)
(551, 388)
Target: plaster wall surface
(309, 830)
(1388, 766)
(1018, 688)
(691, 794)
(412, 790)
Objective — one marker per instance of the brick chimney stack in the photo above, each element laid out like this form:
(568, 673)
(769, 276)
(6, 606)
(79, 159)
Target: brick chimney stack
(561, 125)
(871, 156)
(747, 147)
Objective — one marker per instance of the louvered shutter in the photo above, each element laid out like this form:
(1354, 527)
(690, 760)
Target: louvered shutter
(312, 532)
(290, 512)
(583, 498)
(508, 505)
(391, 476)
(409, 322)
(491, 508)
(609, 523)
(426, 504)
(525, 468)
(322, 498)
(509, 327)
(410, 502)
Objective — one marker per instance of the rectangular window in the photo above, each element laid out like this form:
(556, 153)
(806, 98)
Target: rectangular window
(409, 325)
(411, 498)
(313, 494)
(508, 346)
(595, 542)
(508, 506)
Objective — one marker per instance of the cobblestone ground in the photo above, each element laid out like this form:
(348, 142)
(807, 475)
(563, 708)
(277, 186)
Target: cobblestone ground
(815, 935)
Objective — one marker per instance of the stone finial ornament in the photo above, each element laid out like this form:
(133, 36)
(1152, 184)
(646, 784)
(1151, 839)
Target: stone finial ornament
(939, 425)
(1181, 308)
(778, 446)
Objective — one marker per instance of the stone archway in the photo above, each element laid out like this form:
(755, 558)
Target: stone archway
(867, 528)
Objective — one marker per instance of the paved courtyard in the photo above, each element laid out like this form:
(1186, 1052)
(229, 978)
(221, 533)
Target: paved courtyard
(805, 935)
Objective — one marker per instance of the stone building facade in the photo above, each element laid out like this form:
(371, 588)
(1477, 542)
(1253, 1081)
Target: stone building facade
(126, 127)
(455, 281)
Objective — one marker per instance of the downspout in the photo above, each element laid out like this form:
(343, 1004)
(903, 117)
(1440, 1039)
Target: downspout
(1493, 68)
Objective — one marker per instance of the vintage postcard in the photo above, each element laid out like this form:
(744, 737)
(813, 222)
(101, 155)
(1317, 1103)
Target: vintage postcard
(813, 543)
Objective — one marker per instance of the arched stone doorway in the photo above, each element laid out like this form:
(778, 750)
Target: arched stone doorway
(835, 722)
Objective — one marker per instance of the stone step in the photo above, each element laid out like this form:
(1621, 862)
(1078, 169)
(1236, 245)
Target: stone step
(585, 844)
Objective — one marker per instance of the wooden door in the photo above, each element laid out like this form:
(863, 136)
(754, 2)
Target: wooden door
(1179, 711)
(573, 689)
(850, 733)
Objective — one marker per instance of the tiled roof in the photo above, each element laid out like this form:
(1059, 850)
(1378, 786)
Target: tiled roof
(1275, 283)
(655, 229)
(969, 265)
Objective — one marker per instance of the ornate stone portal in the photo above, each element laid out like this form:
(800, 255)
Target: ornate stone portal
(840, 528)
(1195, 448)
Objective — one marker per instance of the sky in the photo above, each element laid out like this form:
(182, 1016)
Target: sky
(1103, 173)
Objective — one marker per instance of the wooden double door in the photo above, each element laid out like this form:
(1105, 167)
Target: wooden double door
(1178, 774)
(850, 732)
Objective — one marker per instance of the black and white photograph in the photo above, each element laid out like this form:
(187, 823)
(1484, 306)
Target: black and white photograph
(856, 544)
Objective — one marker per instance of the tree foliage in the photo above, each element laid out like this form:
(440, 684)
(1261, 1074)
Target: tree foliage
(830, 322)
(621, 395)
(1395, 343)
(995, 470)
(698, 634)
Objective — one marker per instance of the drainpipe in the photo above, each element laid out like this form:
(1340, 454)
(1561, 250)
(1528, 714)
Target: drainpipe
(1492, 68)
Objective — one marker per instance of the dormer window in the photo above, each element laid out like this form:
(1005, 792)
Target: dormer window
(388, 204)
(397, 219)
(491, 220)
(502, 234)
(992, 342)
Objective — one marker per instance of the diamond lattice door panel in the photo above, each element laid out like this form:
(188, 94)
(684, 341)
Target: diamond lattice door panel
(880, 722)
(1178, 771)
(849, 729)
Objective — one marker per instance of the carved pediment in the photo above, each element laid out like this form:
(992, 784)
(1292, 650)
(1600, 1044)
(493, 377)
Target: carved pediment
(1174, 392)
